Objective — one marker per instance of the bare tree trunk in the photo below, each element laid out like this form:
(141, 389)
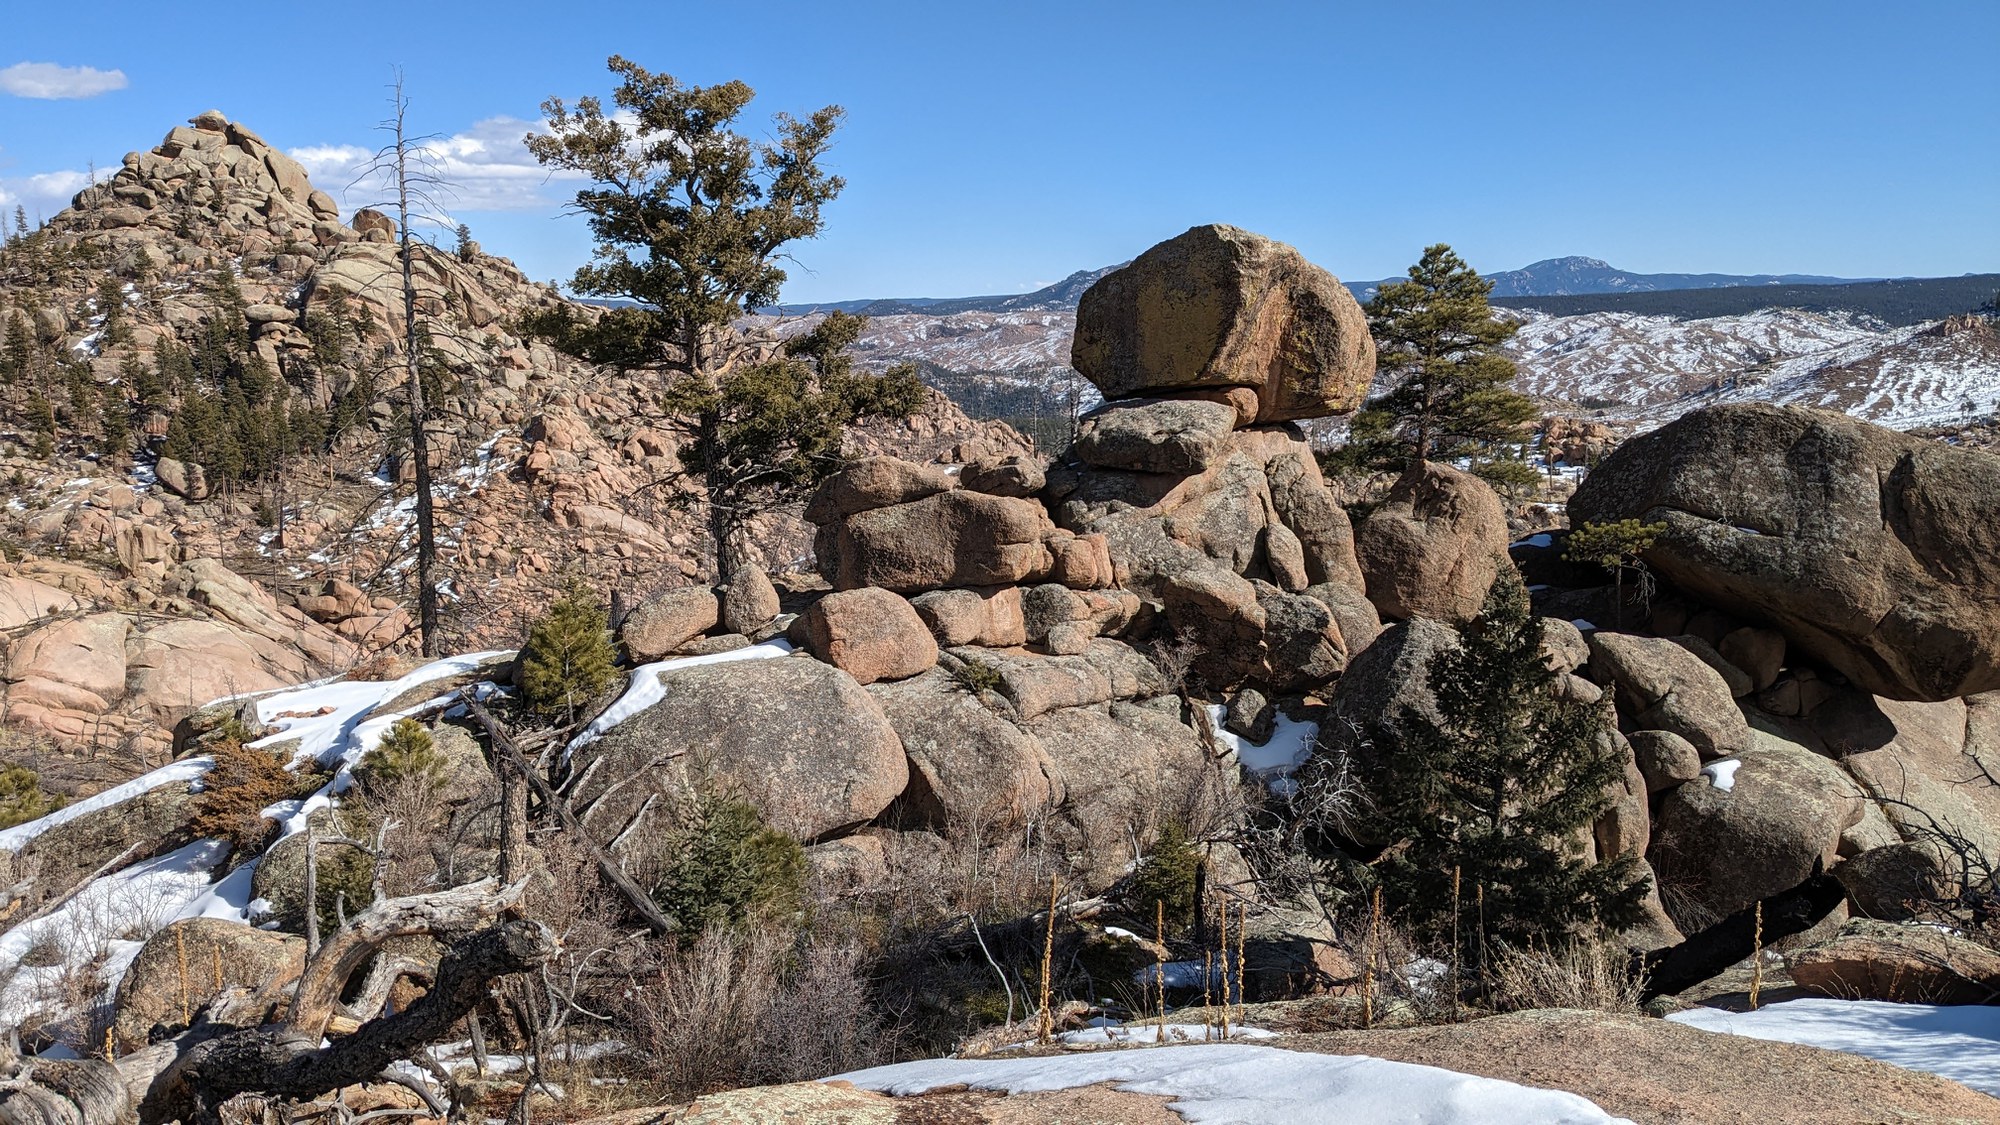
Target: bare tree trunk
(420, 451)
(642, 903)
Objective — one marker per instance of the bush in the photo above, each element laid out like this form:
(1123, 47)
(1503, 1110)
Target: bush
(1167, 876)
(726, 867)
(569, 657)
(1584, 974)
(243, 783)
(21, 796)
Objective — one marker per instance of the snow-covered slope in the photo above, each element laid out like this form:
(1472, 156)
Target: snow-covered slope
(1621, 365)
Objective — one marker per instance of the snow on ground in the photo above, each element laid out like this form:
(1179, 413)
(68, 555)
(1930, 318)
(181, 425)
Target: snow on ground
(645, 689)
(1287, 749)
(1961, 1043)
(106, 923)
(1114, 1032)
(108, 920)
(1241, 1084)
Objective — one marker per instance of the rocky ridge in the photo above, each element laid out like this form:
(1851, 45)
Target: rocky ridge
(545, 466)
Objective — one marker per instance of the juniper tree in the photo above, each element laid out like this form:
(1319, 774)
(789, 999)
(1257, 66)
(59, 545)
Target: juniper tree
(691, 218)
(1438, 342)
(1499, 786)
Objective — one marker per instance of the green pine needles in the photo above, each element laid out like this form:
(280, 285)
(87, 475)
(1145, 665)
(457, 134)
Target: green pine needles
(1501, 786)
(728, 868)
(569, 657)
(1437, 340)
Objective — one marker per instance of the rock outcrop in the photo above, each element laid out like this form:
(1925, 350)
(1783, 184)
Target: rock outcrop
(1873, 552)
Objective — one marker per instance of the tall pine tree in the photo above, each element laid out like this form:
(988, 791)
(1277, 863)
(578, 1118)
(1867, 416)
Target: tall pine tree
(1437, 339)
(1501, 786)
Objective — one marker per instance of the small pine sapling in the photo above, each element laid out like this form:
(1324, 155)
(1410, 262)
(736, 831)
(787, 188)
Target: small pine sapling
(568, 657)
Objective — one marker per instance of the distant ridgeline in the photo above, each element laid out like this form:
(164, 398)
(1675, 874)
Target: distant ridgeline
(1896, 302)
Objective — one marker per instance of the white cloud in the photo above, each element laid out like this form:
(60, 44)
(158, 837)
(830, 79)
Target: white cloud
(50, 80)
(40, 195)
(484, 168)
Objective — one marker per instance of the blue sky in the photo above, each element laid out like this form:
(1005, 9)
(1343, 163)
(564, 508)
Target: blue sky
(993, 148)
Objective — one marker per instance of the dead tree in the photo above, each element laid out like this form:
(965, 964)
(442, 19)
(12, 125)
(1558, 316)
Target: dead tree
(235, 1047)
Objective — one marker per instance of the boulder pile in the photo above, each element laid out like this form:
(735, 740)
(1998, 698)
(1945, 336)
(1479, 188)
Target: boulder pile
(1026, 634)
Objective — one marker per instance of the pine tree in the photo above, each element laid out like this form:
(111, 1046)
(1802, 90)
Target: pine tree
(568, 657)
(1437, 339)
(727, 867)
(463, 247)
(691, 218)
(1617, 547)
(1499, 787)
(21, 796)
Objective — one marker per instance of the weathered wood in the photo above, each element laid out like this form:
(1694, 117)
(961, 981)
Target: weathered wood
(440, 912)
(641, 902)
(280, 1061)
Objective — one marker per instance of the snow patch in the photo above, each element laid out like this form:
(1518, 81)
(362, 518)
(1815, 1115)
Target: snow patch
(1241, 1084)
(645, 688)
(1961, 1043)
(1274, 760)
(1722, 774)
(183, 772)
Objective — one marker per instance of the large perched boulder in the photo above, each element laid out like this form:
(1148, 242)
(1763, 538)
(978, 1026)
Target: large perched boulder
(799, 739)
(1221, 307)
(1874, 552)
(1433, 548)
(1663, 686)
(1166, 435)
(953, 538)
(870, 634)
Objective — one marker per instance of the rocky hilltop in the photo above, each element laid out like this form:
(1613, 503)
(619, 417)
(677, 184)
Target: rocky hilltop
(137, 585)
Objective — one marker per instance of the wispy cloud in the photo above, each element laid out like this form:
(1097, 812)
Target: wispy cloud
(40, 195)
(52, 80)
(484, 168)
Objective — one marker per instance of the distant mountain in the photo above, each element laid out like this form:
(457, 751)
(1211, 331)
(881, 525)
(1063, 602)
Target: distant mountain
(1558, 277)
(1062, 296)
(1551, 277)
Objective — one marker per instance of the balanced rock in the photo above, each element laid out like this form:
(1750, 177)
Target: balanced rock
(1015, 474)
(1219, 307)
(1874, 552)
(1433, 549)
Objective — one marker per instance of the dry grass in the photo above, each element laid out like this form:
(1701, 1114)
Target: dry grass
(1588, 975)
